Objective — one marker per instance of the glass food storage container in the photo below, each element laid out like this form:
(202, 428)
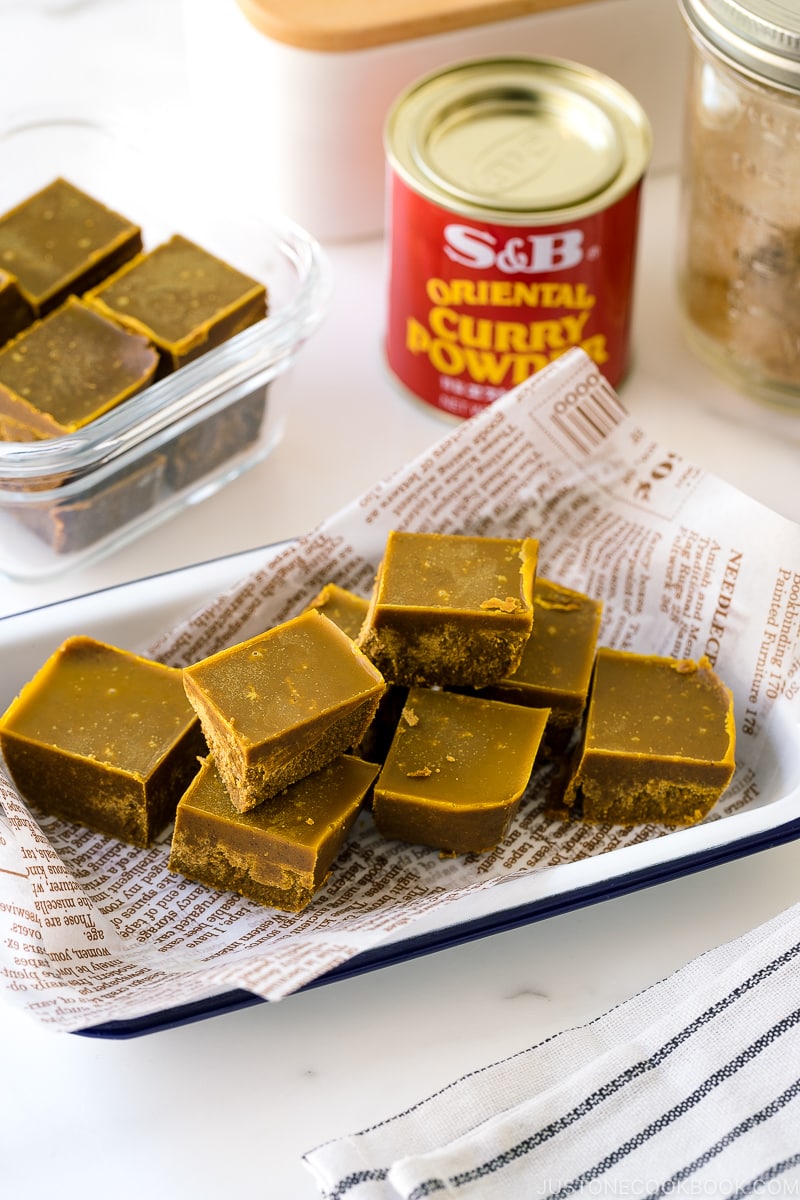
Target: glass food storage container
(73, 497)
(739, 256)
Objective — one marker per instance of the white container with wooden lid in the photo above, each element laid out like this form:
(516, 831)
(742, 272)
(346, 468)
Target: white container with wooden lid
(291, 95)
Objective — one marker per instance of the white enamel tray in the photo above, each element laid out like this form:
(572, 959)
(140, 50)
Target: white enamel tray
(134, 615)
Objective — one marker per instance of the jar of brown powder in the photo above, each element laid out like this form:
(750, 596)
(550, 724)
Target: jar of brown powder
(739, 265)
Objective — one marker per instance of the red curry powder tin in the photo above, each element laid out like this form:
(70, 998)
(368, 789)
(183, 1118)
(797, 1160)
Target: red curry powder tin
(513, 211)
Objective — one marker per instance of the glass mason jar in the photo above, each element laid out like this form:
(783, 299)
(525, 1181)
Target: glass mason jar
(739, 256)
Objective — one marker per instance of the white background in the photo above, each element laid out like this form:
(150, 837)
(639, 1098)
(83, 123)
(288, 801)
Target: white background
(228, 1105)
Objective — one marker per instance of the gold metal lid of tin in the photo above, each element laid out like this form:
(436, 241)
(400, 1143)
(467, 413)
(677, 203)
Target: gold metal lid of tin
(518, 137)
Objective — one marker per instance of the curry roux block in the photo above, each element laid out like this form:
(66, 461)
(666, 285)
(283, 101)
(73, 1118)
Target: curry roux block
(282, 704)
(280, 854)
(345, 608)
(658, 744)
(104, 738)
(66, 370)
(556, 667)
(215, 439)
(71, 523)
(15, 312)
(61, 241)
(348, 610)
(450, 610)
(181, 297)
(456, 770)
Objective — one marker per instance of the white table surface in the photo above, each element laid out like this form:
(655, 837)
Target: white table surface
(227, 1106)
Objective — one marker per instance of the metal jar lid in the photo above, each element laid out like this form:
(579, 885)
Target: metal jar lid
(519, 139)
(759, 37)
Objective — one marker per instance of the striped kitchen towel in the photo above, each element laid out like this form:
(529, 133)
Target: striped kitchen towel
(690, 1088)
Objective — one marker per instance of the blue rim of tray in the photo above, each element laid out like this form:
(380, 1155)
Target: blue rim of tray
(467, 931)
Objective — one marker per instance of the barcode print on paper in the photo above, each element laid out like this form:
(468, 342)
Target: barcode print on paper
(588, 414)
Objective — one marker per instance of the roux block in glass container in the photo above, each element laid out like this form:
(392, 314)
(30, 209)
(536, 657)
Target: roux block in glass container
(185, 300)
(76, 524)
(15, 312)
(281, 853)
(450, 610)
(658, 744)
(56, 377)
(105, 738)
(456, 770)
(283, 704)
(196, 454)
(60, 241)
(66, 370)
(188, 434)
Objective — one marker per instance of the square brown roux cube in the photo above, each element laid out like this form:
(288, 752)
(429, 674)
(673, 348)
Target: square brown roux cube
(62, 241)
(15, 312)
(283, 704)
(66, 370)
(348, 610)
(450, 609)
(658, 744)
(68, 523)
(181, 297)
(215, 439)
(556, 666)
(342, 606)
(281, 853)
(456, 770)
(105, 738)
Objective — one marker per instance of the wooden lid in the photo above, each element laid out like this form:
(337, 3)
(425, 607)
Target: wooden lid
(339, 25)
